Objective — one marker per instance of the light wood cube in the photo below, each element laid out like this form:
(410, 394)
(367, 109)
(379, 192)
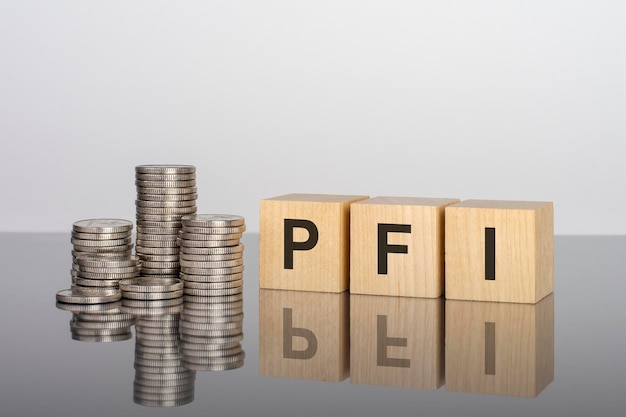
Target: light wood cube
(499, 251)
(397, 341)
(305, 242)
(304, 335)
(499, 348)
(397, 246)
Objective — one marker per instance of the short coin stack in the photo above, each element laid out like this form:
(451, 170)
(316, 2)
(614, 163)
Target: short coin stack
(211, 259)
(161, 380)
(151, 288)
(165, 193)
(102, 251)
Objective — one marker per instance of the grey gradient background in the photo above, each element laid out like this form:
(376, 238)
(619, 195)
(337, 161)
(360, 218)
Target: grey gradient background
(45, 373)
(518, 100)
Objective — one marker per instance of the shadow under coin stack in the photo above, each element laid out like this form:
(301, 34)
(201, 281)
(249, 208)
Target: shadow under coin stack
(211, 259)
(100, 241)
(160, 378)
(165, 193)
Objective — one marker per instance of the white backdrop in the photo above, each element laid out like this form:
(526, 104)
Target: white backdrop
(517, 100)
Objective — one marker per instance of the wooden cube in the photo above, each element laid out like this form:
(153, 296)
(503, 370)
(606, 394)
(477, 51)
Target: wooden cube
(397, 341)
(499, 251)
(304, 335)
(305, 242)
(397, 246)
(499, 348)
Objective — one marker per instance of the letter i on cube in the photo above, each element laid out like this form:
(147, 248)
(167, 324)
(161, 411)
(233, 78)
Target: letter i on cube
(305, 242)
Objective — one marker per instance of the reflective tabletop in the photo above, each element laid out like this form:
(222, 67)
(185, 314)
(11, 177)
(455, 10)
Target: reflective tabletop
(312, 353)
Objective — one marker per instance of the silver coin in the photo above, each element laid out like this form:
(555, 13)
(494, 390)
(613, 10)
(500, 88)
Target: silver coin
(224, 250)
(213, 220)
(163, 390)
(210, 278)
(102, 226)
(207, 243)
(151, 304)
(163, 403)
(89, 295)
(211, 271)
(152, 295)
(218, 353)
(165, 177)
(238, 357)
(147, 284)
(210, 258)
(211, 265)
(159, 231)
(161, 264)
(104, 324)
(146, 259)
(167, 197)
(151, 224)
(215, 230)
(213, 292)
(95, 261)
(117, 315)
(102, 283)
(207, 346)
(110, 270)
(202, 237)
(202, 316)
(157, 243)
(186, 374)
(151, 312)
(144, 237)
(210, 300)
(102, 338)
(160, 331)
(165, 204)
(158, 217)
(171, 321)
(102, 255)
(211, 340)
(165, 184)
(165, 210)
(203, 308)
(165, 191)
(211, 326)
(101, 236)
(212, 285)
(77, 329)
(149, 352)
(170, 272)
(190, 380)
(165, 169)
(88, 308)
(142, 250)
(124, 249)
(179, 396)
(101, 243)
(107, 275)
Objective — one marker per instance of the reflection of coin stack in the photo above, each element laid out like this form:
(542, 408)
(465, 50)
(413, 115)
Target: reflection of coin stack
(161, 380)
(211, 259)
(102, 252)
(164, 194)
(98, 322)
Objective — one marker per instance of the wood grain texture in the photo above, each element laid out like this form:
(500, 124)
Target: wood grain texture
(522, 355)
(416, 322)
(326, 266)
(324, 315)
(524, 250)
(417, 273)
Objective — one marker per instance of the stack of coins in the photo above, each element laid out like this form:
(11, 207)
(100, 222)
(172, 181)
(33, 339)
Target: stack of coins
(161, 380)
(211, 259)
(211, 331)
(165, 193)
(151, 288)
(101, 239)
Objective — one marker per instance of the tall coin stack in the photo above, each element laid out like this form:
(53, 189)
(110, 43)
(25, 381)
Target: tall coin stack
(161, 380)
(165, 193)
(102, 252)
(211, 259)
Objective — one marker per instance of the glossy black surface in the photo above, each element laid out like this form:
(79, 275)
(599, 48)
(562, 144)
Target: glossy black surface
(43, 372)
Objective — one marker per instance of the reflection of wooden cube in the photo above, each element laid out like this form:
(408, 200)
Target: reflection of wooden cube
(305, 242)
(499, 251)
(396, 341)
(397, 246)
(499, 348)
(304, 335)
